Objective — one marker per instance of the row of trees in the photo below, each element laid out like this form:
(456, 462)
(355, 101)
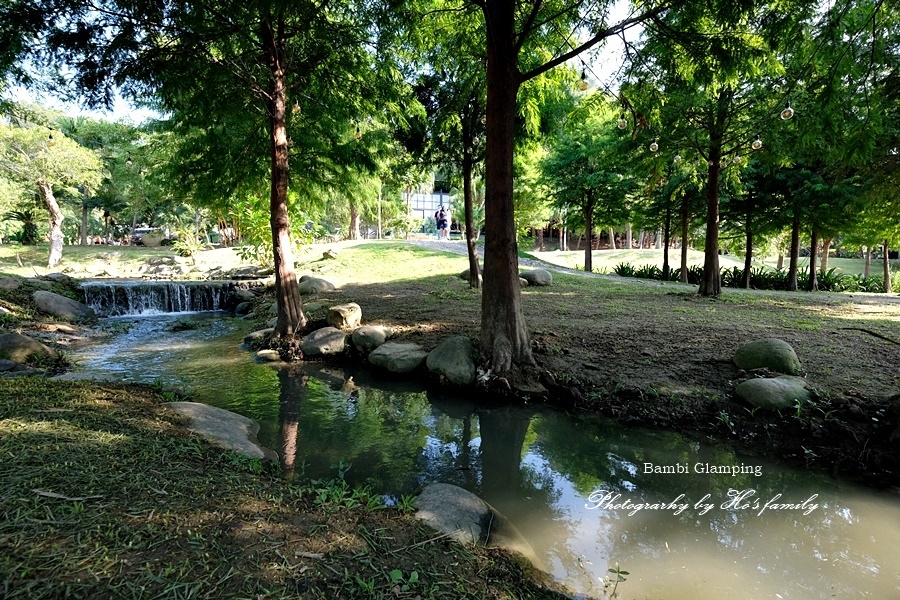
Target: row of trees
(346, 97)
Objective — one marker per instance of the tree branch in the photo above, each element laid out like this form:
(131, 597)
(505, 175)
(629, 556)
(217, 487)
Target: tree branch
(600, 36)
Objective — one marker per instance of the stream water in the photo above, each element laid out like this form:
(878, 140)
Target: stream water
(586, 493)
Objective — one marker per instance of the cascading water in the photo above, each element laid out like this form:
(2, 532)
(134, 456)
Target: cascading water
(153, 298)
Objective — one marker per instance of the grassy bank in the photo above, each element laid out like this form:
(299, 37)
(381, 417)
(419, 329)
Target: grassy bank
(104, 496)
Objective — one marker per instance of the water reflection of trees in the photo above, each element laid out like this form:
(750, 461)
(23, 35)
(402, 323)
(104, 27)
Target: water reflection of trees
(521, 460)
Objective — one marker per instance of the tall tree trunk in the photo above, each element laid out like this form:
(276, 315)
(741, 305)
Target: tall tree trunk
(56, 219)
(683, 276)
(291, 318)
(628, 236)
(887, 269)
(504, 334)
(826, 249)
(868, 265)
(354, 222)
(779, 264)
(588, 230)
(748, 256)
(85, 211)
(668, 232)
(711, 284)
(471, 234)
(795, 255)
(813, 275)
(612, 239)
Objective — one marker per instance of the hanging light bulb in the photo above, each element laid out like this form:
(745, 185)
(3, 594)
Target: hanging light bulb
(583, 85)
(677, 159)
(654, 146)
(737, 159)
(622, 123)
(788, 112)
(51, 141)
(128, 162)
(358, 134)
(757, 143)
(296, 108)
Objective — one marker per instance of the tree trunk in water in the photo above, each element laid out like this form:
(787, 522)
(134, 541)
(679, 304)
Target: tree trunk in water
(504, 334)
(813, 278)
(56, 219)
(589, 228)
(668, 231)
(795, 255)
(887, 269)
(628, 236)
(85, 211)
(867, 268)
(354, 222)
(292, 395)
(471, 234)
(826, 249)
(291, 318)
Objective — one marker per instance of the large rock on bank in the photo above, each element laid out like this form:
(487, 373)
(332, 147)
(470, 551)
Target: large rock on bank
(22, 349)
(345, 316)
(315, 285)
(224, 428)
(454, 360)
(327, 341)
(398, 357)
(771, 353)
(369, 337)
(537, 277)
(62, 307)
(784, 391)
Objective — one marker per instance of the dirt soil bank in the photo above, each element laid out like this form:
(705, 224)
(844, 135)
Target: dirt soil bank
(659, 355)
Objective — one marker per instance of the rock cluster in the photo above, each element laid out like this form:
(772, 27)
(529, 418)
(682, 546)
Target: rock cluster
(785, 390)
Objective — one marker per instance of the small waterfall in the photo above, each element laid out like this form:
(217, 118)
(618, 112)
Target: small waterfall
(113, 299)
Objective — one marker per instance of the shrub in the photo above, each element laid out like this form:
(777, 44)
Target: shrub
(624, 270)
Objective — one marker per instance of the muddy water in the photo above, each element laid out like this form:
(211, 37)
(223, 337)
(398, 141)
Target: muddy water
(586, 493)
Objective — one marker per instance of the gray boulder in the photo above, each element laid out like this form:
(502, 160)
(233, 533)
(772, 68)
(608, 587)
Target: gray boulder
(243, 308)
(10, 283)
(772, 353)
(327, 341)
(268, 355)
(58, 277)
(345, 316)
(398, 357)
(259, 335)
(523, 282)
(224, 428)
(244, 296)
(62, 307)
(455, 511)
(369, 337)
(453, 359)
(777, 393)
(538, 277)
(315, 285)
(10, 368)
(470, 520)
(22, 349)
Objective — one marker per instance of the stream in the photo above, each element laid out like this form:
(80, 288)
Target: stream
(688, 520)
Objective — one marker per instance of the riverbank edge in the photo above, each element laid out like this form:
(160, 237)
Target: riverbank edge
(42, 481)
